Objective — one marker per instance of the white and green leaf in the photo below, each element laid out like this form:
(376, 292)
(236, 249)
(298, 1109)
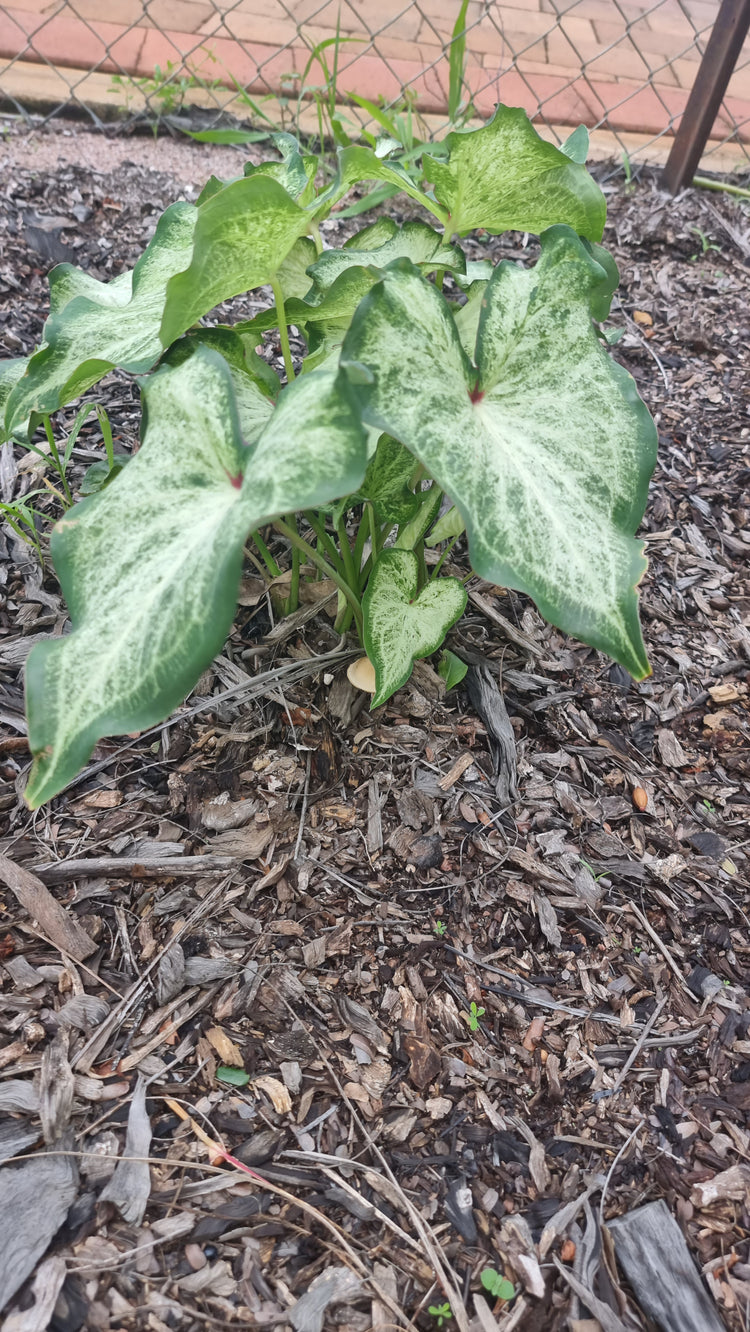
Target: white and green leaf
(95, 326)
(401, 623)
(449, 525)
(242, 236)
(256, 385)
(415, 240)
(150, 566)
(505, 177)
(358, 164)
(10, 372)
(543, 444)
(295, 172)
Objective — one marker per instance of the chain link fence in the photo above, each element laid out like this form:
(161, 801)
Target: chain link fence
(623, 68)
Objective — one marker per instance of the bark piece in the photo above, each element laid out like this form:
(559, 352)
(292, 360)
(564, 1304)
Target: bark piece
(54, 921)
(653, 1253)
(337, 1285)
(45, 1289)
(34, 1201)
(424, 1060)
(130, 1185)
(488, 703)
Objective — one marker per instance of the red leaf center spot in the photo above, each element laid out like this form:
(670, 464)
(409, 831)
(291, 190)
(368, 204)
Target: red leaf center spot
(235, 480)
(476, 394)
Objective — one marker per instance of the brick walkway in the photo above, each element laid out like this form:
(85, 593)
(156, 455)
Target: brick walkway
(627, 63)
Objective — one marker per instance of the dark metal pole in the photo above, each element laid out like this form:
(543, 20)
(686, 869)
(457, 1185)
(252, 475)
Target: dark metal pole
(715, 70)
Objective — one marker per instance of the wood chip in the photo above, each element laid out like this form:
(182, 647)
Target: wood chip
(54, 921)
(655, 1258)
(34, 1201)
(130, 1184)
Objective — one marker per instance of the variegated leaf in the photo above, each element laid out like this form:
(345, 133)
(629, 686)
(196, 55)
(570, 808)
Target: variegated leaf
(94, 326)
(543, 445)
(242, 236)
(150, 566)
(198, 257)
(415, 240)
(401, 623)
(505, 177)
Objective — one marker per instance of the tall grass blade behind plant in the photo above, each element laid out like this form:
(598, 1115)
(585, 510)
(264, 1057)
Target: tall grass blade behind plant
(457, 64)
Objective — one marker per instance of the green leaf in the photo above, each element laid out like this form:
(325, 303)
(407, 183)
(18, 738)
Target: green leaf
(10, 373)
(358, 164)
(450, 525)
(451, 668)
(386, 484)
(292, 274)
(576, 146)
(295, 172)
(545, 447)
(411, 533)
(242, 236)
(150, 566)
(415, 240)
(256, 385)
(227, 136)
(497, 1286)
(100, 474)
(505, 177)
(236, 1077)
(95, 326)
(401, 624)
(456, 61)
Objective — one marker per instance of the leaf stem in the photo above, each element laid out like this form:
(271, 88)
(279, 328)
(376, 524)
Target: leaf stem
(443, 556)
(317, 523)
(266, 555)
(350, 569)
(292, 601)
(278, 297)
(326, 569)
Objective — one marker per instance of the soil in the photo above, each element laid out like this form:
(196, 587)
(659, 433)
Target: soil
(361, 1012)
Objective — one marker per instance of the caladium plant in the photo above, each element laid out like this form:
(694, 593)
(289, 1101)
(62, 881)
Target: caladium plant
(438, 396)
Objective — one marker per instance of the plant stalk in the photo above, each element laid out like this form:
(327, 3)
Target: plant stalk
(266, 555)
(315, 558)
(278, 297)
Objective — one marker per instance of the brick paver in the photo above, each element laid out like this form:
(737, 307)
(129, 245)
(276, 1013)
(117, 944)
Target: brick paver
(629, 65)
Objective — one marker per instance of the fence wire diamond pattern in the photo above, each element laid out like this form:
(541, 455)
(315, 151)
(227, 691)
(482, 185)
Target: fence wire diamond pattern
(614, 65)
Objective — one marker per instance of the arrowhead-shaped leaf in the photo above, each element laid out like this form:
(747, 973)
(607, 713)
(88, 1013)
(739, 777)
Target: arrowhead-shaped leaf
(242, 236)
(296, 171)
(358, 164)
(256, 385)
(400, 624)
(150, 566)
(415, 240)
(10, 373)
(505, 177)
(198, 257)
(386, 485)
(544, 445)
(94, 326)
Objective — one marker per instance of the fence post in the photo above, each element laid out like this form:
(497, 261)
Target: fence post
(715, 70)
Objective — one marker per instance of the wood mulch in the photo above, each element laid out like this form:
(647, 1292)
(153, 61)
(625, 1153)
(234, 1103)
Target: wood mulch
(310, 1015)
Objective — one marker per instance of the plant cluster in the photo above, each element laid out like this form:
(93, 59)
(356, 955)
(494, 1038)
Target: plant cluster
(437, 395)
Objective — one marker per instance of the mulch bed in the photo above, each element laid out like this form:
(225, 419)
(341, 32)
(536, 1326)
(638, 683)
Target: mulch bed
(442, 1015)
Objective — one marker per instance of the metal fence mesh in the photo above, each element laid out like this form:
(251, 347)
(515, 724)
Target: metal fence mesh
(622, 67)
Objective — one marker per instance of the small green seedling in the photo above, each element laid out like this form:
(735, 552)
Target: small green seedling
(474, 1015)
(496, 1285)
(440, 928)
(706, 244)
(440, 1312)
